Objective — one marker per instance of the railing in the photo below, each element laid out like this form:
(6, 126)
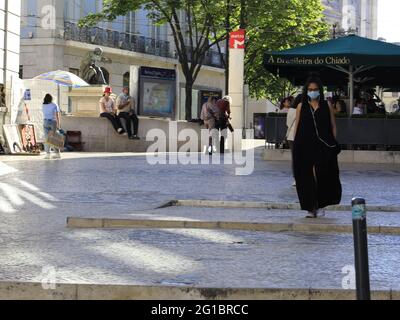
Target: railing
(115, 39)
(362, 132)
(126, 41)
(213, 59)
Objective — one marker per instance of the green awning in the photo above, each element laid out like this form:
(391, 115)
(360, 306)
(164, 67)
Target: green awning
(372, 62)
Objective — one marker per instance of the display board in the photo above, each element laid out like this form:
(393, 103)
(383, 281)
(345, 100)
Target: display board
(157, 92)
(21, 139)
(28, 138)
(13, 138)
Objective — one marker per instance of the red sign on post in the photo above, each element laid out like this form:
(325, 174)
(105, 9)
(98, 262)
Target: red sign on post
(237, 39)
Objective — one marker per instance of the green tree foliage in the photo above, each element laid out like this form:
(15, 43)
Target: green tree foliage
(278, 25)
(198, 25)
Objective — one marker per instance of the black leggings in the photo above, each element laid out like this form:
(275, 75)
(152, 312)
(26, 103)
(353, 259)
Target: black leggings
(116, 123)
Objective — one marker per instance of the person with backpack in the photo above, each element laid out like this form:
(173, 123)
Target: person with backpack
(210, 116)
(224, 106)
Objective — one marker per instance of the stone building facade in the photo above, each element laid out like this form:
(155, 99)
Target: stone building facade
(129, 40)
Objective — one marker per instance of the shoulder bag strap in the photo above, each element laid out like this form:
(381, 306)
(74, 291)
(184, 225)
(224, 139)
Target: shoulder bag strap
(316, 129)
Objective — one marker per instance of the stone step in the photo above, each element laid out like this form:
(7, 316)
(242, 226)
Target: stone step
(267, 205)
(63, 291)
(250, 219)
(346, 156)
(73, 222)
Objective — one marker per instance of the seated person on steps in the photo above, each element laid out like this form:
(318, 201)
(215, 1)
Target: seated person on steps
(108, 110)
(126, 110)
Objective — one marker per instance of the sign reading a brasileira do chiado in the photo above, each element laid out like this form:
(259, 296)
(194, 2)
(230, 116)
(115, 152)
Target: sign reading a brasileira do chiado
(310, 61)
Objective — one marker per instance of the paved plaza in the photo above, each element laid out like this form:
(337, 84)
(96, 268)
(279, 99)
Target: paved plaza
(37, 196)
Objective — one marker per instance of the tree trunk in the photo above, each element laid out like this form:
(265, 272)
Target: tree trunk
(188, 99)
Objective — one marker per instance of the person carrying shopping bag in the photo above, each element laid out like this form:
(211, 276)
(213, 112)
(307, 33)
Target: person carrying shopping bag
(51, 123)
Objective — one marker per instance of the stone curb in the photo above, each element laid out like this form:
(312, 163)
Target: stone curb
(265, 205)
(106, 223)
(35, 291)
(346, 156)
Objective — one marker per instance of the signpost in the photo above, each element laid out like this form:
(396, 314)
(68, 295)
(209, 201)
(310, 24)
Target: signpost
(237, 39)
(237, 42)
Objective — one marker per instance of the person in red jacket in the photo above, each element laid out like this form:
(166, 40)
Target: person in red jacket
(224, 106)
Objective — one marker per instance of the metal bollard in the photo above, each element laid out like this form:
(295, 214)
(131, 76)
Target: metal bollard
(359, 213)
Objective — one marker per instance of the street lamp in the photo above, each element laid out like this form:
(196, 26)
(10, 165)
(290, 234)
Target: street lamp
(335, 25)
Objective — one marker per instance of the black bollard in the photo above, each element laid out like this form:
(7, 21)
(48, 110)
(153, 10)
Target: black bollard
(359, 213)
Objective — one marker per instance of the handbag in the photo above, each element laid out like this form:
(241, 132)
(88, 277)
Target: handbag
(55, 139)
(334, 148)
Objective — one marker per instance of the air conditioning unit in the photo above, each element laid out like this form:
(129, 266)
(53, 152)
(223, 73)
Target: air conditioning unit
(30, 35)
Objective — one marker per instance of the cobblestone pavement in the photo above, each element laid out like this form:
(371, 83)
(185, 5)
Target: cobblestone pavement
(197, 257)
(37, 196)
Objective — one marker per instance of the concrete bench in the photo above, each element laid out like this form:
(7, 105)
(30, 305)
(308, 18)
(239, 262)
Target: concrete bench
(99, 135)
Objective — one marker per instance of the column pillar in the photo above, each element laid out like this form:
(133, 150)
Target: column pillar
(236, 81)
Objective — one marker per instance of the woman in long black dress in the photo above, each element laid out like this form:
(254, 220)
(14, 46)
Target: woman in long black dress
(315, 152)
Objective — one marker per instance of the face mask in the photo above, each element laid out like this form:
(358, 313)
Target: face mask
(313, 95)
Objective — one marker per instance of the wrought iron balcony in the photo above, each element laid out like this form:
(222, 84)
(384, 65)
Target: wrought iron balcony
(115, 39)
(126, 41)
(214, 59)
